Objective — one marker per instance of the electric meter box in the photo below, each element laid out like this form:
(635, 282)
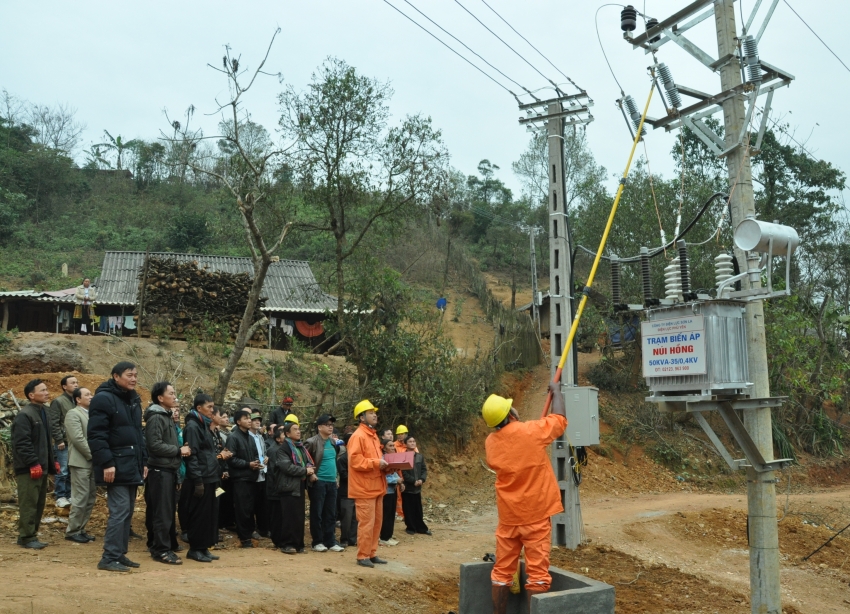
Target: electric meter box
(698, 349)
(582, 406)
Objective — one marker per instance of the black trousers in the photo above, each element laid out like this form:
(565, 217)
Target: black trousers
(226, 515)
(243, 508)
(411, 503)
(261, 508)
(292, 515)
(200, 515)
(388, 524)
(183, 498)
(275, 522)
(347, 522)
(323, 513)
(160, 505)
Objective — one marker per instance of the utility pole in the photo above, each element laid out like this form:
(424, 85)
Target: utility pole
(535, 311)
(554, 114)
(566, 527)
(765, 597)
(737, 100)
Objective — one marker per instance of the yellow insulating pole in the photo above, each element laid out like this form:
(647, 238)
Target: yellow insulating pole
(598, 257)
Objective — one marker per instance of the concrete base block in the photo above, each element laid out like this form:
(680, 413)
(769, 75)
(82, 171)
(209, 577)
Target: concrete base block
(569, 593)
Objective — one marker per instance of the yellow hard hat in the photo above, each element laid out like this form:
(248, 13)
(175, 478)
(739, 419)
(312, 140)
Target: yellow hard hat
(400, 429)
(496, 409)
(364, 405)
(291, 418)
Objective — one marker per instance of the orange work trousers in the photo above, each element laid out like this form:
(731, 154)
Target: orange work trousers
(537, 539)
(370, 516)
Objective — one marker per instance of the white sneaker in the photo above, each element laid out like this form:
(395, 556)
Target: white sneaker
(336, 548)
(381, 542)
(392, 542)
(320, 548)
(62, 502)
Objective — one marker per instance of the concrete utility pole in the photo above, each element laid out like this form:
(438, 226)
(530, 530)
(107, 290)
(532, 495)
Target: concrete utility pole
(765, 596)
(566, 527)
(554, 114)
(535, 310)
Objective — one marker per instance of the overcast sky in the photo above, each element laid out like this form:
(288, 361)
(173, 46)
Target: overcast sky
(122, 63)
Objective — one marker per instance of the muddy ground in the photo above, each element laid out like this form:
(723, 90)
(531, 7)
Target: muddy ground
(665, 545)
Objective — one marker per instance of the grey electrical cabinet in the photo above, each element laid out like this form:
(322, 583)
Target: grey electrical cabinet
(582, 405)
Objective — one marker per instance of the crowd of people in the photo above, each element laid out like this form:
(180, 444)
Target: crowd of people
(213, 473)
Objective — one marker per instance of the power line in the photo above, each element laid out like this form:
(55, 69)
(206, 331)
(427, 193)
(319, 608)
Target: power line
(459, 41)
(475, 17)
(602, 47)
(478, 68)
(532, 46)
(816, 34)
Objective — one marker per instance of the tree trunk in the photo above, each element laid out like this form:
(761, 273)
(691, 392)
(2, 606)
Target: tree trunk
(246, 329)
(340, 285)
(513, 281)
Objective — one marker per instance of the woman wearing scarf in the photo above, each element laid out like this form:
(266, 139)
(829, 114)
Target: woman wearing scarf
(84, 297)
(293, 466)
(202, 477)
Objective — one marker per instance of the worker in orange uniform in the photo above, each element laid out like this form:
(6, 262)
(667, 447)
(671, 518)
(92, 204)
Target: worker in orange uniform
(367, 482)
(527, 492)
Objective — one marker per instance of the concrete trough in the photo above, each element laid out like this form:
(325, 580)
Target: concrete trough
(569, 593)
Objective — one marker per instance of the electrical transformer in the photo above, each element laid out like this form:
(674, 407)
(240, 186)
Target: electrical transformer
(696, 349)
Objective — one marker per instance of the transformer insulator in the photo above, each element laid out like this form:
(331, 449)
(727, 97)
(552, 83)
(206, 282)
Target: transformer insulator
(632, 109)
(673, 281)
(723, 270)
(669, 85)
(645, 276)
(616, 287)
(750, 53)
(628, 19)
(684, 271)
(651, 23)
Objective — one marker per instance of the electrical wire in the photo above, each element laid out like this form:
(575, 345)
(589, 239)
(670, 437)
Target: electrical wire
(573, 83)
(601, 46)
(467, 46)
(661, 249)
(816, 34)
(475, 17)
(652, 189)
(465, 59)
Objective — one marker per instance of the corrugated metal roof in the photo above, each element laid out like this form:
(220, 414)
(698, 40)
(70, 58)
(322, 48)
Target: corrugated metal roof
(19, 293)
(289, 286)
(59, 296)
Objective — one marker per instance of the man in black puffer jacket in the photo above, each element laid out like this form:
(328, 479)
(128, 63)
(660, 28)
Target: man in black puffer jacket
(202, 476)
(164, 458)
(118, 456)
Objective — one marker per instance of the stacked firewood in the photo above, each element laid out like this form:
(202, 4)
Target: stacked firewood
(8, 409)
(184, 299)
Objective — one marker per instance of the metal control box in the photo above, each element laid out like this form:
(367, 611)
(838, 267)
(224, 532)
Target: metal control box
(582, 405)
(698, 349)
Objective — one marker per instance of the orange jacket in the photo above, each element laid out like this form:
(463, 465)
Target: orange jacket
(401, 447)
(526, 488)
(365, 478)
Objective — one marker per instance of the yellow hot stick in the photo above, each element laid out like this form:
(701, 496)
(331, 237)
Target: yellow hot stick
(598, 257)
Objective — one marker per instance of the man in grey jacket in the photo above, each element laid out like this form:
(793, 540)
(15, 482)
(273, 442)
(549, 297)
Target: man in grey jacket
(164, 457)
(83, 488)
(57, 411)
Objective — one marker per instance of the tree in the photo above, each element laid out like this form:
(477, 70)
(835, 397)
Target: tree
(56, 127)
(351, 167)
(117, 146)
(248, 184)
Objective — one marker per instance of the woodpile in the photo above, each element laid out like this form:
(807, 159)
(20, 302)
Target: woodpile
(8, 409)
(183, 298)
